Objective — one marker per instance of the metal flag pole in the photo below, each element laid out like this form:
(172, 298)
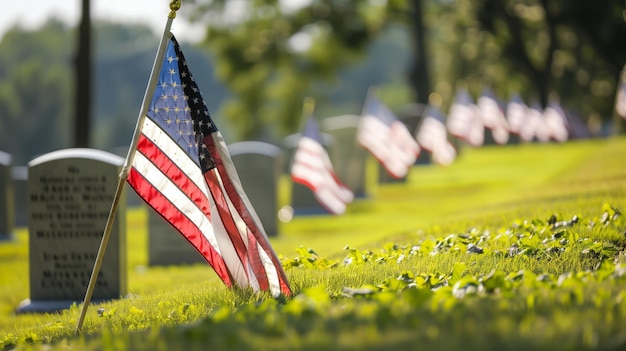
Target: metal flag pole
(152, 81)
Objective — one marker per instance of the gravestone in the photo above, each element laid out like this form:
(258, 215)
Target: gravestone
(70, 193)
(6, 198)
(259, 166)
(303, 202)
(19, 175)
(166, 246)
(347, 156)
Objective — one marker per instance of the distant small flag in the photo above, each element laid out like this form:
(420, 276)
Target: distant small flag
(462, 116)
(312, 167)
(536, 127)
(433, 137)
(556, 122)
(620, 98)
(516, 114)
(183, 170)
(386, 138)
(493, 117)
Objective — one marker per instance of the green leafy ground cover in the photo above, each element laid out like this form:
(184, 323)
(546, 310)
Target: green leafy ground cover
(517, 247)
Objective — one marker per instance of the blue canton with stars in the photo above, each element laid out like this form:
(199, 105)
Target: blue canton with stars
(178, 108)
(376, 108)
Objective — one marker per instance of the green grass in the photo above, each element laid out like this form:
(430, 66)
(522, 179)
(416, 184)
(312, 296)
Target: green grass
(438, 295)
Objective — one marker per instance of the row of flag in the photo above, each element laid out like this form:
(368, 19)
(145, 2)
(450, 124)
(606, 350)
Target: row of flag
(468, 121)
(386, 138)
(390, 142)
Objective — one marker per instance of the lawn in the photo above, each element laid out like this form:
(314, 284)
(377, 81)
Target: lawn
(512, 247)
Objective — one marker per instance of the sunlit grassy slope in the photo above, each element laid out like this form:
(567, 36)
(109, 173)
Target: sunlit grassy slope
(487, 189)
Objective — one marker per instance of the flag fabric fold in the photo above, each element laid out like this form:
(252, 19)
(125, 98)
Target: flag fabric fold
(464, 121)
(493, 117)
(516, 114)
(183, 170)
(556, 122)
(386, 138)
(432, 136)
(311, 167)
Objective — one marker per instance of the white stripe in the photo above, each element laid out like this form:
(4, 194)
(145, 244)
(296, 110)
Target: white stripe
(180, 200)
(179, 157)
(229, 254)
(234, 178)
(250, 278)
(271, 270)
(231, 173)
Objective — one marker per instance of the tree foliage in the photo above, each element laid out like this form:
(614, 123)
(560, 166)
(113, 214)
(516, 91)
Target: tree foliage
(270, 55)
(570, 48)
(532, 47)
(35, 91)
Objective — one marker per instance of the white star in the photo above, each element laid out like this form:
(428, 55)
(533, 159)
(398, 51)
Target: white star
(170, 59)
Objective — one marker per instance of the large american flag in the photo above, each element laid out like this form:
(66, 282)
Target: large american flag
(182, 169)
(387, 138)
(311, 167)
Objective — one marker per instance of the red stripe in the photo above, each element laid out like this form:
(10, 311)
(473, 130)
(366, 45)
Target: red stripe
(162, 161)
(304, 182)
(245, 214)
(187, 229)
(255, 260)
(231, 228)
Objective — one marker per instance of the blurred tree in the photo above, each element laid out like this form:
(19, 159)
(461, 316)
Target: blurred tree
(271, 53)
(573, 48)
(35, 91)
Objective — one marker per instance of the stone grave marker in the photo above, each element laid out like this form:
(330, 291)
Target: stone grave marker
(19, 175)
(259, 166)
(7, 216)
(347, 156)
(166, 246)
(70, 193)
(303, 202)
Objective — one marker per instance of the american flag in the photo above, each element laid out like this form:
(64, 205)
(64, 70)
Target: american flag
(516, 114)
(182, 169)
(556, 122)
(462, 113)
(432, 136)
(493, 117)
(386, 138)
(311, 167)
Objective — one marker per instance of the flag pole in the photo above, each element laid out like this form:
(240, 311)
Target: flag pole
(156, 67)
